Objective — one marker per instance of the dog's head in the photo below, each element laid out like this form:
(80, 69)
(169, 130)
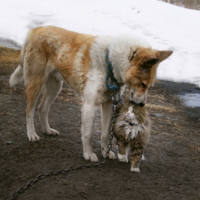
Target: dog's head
(141, 73)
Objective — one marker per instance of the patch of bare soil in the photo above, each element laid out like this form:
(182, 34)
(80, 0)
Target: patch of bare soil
(171, 169)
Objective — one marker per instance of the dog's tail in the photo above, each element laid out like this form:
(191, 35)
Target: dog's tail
(18, 75)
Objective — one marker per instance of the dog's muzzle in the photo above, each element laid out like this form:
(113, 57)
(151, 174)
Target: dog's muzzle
(140, 104)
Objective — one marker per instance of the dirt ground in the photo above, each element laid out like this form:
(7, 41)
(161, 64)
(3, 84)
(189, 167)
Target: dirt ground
(171, 169)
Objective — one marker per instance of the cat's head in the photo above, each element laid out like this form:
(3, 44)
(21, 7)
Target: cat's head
(133, 112)
(130, 115)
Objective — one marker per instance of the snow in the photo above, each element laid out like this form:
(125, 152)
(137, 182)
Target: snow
(165, 26)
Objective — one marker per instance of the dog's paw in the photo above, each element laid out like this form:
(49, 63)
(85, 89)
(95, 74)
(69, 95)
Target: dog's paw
(143, 158)
(51, 131)
(92, 157)
(111, 154)
(33, 137)
(135, 169)
(122, 158)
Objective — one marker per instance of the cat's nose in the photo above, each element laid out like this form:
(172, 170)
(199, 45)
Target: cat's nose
(127, 113)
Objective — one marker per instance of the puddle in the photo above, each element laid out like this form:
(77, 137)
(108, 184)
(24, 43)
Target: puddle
(191, 100)
(157, 114)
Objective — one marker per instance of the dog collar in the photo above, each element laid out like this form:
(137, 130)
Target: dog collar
(115, 86)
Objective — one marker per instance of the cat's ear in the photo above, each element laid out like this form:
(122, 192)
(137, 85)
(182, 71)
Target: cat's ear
(118, 107)
(125, 99)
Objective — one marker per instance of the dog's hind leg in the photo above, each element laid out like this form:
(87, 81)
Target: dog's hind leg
(52, 88)
(106, 116)
(86, 129)
(32, 90)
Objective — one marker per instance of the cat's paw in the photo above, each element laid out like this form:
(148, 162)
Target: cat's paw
(122, 158)
(135, 169)
(111, 154)
(143, 158)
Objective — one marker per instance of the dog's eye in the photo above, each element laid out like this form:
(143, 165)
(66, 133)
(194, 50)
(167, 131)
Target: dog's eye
(143, 85)
(131, 58)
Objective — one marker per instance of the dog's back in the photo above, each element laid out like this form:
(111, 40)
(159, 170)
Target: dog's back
(52, 49)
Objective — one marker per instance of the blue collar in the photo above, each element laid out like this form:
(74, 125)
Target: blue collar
(115, 86)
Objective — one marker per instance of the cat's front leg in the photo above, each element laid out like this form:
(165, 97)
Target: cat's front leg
(143, 158)
(122, 152)
(136, 155)
(135, 163)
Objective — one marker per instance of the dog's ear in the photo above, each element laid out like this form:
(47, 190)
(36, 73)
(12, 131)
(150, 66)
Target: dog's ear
(132, 54)
(162, 55)
(150, 62)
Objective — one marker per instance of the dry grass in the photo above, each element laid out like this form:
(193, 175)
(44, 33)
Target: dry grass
(160, 108)
(9, 59)
(191, 4)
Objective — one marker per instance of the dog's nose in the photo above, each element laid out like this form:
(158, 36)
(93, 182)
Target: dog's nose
(141, 104)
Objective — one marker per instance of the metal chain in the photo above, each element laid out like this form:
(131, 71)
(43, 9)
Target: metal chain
(112, 126)
(63, 171)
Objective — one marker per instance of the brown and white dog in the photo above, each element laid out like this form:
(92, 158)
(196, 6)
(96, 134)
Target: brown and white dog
(51, 55)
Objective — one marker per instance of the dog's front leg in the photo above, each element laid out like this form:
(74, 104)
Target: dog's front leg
(86, 129)
(106, 116)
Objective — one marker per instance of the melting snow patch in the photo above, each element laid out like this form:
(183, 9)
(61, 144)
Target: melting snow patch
(191, 100)
(157, 114)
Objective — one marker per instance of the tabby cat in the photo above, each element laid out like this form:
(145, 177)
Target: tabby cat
(132, 131)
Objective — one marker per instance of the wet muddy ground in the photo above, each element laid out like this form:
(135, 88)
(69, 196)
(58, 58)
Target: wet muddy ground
(171, 169)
